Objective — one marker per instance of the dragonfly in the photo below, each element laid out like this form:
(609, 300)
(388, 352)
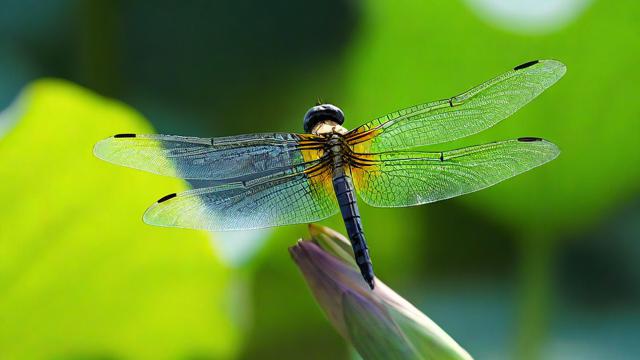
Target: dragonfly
(274, 179)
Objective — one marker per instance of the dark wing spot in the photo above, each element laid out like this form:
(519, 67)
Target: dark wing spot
(167, 197)
(124, 136)
(526, 65)
(529, 139)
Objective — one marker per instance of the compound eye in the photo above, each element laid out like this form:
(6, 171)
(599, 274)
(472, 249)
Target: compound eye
(322, 112)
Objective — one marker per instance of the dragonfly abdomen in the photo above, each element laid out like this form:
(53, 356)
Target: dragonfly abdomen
(351, 215)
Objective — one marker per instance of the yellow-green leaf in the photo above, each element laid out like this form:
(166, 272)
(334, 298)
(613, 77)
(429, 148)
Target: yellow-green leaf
(81, 275)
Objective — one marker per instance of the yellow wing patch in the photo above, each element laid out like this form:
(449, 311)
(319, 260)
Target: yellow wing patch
(319, 175)
(362, 168)
(360, 141)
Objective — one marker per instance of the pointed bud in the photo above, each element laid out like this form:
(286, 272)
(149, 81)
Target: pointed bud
(378, 323)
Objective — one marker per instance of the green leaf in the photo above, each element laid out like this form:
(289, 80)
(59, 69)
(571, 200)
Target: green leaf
(81, 275)
(417, 52)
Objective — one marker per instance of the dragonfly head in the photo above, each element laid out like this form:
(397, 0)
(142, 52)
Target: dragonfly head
(321, 113)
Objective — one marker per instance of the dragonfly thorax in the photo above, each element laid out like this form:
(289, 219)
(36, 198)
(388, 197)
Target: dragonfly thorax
(328, 128)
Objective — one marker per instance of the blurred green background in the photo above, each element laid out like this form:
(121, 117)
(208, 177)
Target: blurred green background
(543, 266)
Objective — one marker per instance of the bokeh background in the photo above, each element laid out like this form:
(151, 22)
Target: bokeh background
(543, 266)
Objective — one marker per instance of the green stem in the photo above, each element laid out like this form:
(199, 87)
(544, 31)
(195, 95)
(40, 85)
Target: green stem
(534, 296)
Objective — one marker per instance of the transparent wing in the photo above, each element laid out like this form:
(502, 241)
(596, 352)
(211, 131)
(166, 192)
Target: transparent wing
(294, 198)
(232, 157)
(459, 116)
(411, 178)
